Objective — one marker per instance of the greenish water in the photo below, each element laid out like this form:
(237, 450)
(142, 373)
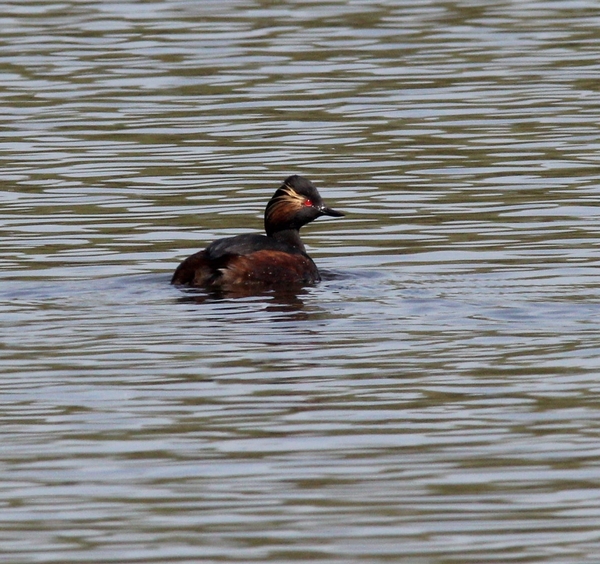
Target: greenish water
(434, 400)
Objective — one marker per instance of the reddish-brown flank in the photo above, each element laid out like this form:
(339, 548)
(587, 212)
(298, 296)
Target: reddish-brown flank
(270, 268)
(262, 268)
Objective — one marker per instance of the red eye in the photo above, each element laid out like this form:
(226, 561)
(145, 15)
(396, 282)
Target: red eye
(308, 203)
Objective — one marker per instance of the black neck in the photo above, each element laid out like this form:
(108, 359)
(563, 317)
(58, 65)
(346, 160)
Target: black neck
(290, 237)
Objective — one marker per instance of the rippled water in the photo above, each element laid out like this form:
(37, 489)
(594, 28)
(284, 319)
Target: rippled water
(433, 400)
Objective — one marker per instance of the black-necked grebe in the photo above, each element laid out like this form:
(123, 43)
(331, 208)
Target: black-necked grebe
(273, 260)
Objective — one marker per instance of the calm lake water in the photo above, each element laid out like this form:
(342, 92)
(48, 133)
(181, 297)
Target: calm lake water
(433, 401)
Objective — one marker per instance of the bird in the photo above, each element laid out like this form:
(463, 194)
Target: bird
(252, 261)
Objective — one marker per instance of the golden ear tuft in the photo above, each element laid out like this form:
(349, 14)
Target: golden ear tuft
(293, 195)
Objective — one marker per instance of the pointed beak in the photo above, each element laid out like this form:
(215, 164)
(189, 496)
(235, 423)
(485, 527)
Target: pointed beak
(328, 211)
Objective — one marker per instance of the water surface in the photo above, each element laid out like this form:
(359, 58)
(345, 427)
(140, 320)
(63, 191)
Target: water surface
(433, 400)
